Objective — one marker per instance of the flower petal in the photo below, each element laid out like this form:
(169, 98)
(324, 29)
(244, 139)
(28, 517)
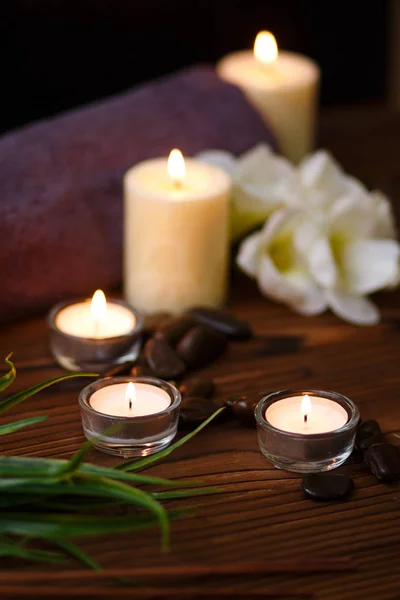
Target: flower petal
(384, 219)
(352, 216)
(249, 254)
(313, 301)
(219, 158)
(370, 265)
(294, 288)
(354, 309)
(320, 169)
(322, 264)
(274, 285)
(266, 176)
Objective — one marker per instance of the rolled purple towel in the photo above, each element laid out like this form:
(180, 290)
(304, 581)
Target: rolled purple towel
(61, 181)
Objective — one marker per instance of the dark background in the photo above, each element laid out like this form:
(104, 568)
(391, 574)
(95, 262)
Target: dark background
(58, 54)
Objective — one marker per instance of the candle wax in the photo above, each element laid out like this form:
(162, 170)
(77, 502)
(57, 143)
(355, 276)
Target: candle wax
(325, 415)
(284, 92)
(112, 400)
(176, 248)
(77, 320)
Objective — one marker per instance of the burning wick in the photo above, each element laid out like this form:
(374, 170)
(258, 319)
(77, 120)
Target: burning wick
(98, 309)
(130, 394)
(176, 168)
(306, 407)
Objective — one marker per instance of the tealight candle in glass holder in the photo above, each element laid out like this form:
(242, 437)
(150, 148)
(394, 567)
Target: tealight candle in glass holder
(306, 431)
(92, 335)
(130, 416)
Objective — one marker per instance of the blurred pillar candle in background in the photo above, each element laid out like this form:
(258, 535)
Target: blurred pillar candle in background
(282, 86)
(175, 234)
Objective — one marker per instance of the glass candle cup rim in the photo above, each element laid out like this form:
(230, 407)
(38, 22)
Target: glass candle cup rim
(88, 391)
(346, 403)
(51, 320)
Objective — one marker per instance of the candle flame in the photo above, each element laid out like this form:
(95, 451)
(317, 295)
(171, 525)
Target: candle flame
(130, 394)
(176, 167)
(265, 47)
(306, 405)
(98, 307)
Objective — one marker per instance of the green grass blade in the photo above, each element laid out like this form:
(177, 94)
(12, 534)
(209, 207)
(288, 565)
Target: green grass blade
(9, 377)
(14, 549)
(25, 394)
(86, 485)
(74, 463)
(77, 553)
(11, 427)
(78, 506)
(132, 465)
(13, 500)
(51, 526)
(21, 466)
(124, 492)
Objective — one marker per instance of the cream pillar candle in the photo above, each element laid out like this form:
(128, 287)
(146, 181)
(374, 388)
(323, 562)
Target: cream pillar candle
(175, 234)
(282, 86)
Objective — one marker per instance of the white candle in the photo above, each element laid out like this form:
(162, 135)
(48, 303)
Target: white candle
(175, 234)
(96, 318)
(282, 86)
(130, 400)
(305, 415)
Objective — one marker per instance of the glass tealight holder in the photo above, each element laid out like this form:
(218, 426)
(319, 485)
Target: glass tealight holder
(79, 353)
(130, 436)
(306, 453)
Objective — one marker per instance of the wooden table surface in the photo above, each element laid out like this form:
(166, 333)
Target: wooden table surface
(261, 513)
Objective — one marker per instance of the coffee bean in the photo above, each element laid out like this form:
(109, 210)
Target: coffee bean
(224, 322)
(203, 388)
(162, 359)
(327, 486)
(366, 431)
(174, 330)
(201, 345)
(383, 460)
(194, 411)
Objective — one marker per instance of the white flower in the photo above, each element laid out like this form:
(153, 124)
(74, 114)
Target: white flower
(334, 246)
(270, 257)
(322, 181)
(262, 182)
(350, 252)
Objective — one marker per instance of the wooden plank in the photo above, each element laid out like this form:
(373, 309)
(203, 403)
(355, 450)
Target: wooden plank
(261, 513)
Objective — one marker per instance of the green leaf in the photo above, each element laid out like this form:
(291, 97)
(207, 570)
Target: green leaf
(9, 377)
(74, 463)
(132, 465)
(87, 485)
(13, 500)
(25, 394)
(16, 425)
(77, 553)
(14, 549)
(21, 466)
(59, 527)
